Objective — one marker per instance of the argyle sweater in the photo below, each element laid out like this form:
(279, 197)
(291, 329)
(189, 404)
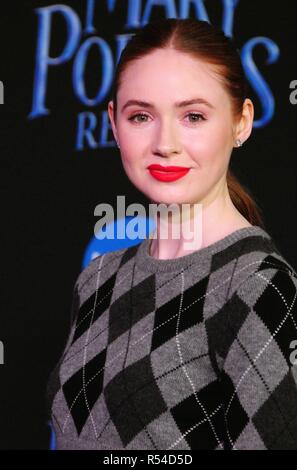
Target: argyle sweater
(195, 352)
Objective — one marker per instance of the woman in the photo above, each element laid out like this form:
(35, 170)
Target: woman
(170, 347)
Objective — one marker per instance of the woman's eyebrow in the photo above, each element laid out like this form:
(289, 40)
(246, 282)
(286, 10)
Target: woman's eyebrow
(178, 104)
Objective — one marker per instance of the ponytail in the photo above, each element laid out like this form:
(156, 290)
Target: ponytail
(243, 202)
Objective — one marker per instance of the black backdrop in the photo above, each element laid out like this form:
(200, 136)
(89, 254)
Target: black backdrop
(49, 189)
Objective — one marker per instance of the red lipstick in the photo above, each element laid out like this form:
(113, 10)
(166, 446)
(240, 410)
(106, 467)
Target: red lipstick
(167, 173)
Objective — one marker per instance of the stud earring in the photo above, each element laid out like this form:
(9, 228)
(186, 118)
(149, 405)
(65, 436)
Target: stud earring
(238, 143)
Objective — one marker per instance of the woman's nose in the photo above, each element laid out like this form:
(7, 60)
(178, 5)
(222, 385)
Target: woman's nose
(166, 140)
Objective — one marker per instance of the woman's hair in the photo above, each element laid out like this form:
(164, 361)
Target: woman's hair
(204, 41)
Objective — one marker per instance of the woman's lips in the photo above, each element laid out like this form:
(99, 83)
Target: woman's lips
(168, 173)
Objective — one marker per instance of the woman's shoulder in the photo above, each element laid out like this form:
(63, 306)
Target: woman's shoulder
(101, 269)
(260, 256)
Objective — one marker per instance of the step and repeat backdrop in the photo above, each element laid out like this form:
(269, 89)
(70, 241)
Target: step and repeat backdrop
(60, 161)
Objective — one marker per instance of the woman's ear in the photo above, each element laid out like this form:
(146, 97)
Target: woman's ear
(110, 109)
(245, 124)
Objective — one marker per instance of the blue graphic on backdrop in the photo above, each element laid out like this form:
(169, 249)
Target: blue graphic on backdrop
(93, 130)
(53, 444)
(97, 247)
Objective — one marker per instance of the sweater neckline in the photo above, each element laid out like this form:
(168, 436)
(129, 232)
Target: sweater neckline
(146, 262)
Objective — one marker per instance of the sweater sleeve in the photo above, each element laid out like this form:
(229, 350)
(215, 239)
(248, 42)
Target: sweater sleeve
(259, 371)
(53, 379)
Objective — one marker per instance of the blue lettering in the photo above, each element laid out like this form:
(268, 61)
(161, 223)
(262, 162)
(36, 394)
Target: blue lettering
(228, 16)
(255, 78)
(201, 13)
(79, 69)
(89, 28)
(169, 6)
(121, 40)
(43, 60)
(134, 14)
(87, 123)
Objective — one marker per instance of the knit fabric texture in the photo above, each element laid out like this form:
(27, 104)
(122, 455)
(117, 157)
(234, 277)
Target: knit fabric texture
(195, 352)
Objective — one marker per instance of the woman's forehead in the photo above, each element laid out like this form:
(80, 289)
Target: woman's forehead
(162, 60)
(151, 81)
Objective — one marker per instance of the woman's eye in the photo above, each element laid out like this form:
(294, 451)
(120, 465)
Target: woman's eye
(132, 118)
(196, 116)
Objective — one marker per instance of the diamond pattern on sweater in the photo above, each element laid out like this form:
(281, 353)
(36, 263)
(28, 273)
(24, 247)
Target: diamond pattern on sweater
(190, 353)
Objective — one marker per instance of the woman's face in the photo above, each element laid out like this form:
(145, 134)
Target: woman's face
(197, 136)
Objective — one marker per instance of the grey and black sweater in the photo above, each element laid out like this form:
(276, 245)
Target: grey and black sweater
(195, 352)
